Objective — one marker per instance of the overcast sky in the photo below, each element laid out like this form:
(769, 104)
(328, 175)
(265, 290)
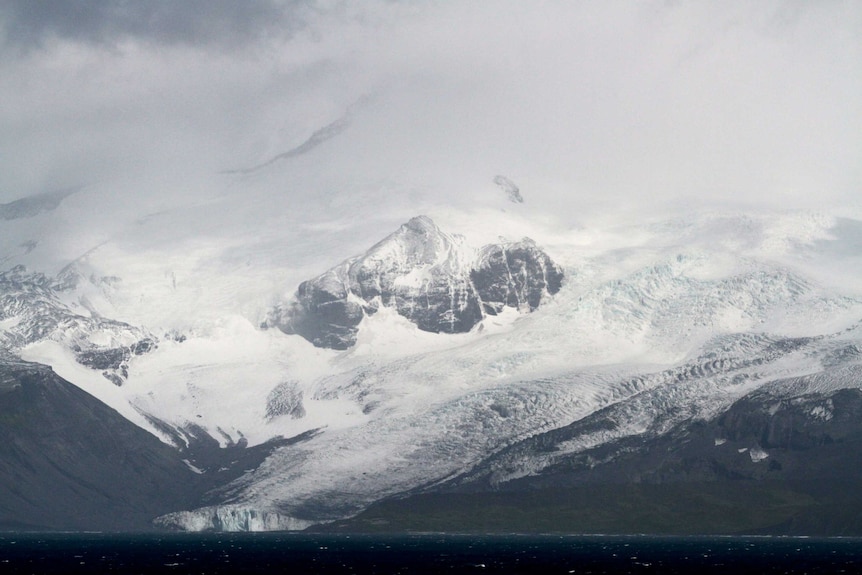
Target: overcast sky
(687, 102)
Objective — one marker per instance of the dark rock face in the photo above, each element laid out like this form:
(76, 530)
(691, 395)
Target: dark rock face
(427, 277)
(516, 276)
(323, 314)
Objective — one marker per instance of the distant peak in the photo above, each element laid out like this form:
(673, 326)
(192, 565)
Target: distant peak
(421, 224)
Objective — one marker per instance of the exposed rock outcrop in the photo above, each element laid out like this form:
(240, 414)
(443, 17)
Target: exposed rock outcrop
(285, 399)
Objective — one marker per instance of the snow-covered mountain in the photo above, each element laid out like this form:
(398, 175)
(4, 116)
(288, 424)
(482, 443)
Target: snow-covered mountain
(426, 276)
(432, 360)
(332, 256)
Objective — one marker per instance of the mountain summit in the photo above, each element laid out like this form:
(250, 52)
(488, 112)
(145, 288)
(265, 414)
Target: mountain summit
(428, 277)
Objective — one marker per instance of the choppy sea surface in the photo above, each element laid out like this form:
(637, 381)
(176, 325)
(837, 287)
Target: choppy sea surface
(426, 553)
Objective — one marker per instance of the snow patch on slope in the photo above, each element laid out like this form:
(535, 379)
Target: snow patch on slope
(63, 362)
(221, 383)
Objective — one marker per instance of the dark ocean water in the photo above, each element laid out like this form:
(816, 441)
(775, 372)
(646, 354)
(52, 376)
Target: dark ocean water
(408, 554)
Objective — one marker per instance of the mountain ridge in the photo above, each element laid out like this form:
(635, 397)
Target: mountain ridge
(635, 344)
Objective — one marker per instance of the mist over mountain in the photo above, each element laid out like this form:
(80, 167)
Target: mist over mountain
(325, 264)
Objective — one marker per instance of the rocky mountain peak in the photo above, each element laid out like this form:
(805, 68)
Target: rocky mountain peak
(419, 242)
(428, 277)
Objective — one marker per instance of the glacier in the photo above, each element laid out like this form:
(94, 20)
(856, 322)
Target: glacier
(231, 518)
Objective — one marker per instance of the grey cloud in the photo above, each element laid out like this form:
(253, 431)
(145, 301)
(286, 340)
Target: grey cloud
(616, 104)
(29, 23)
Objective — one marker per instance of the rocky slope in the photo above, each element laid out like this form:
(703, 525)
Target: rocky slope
(34, 307)
(69, 462)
